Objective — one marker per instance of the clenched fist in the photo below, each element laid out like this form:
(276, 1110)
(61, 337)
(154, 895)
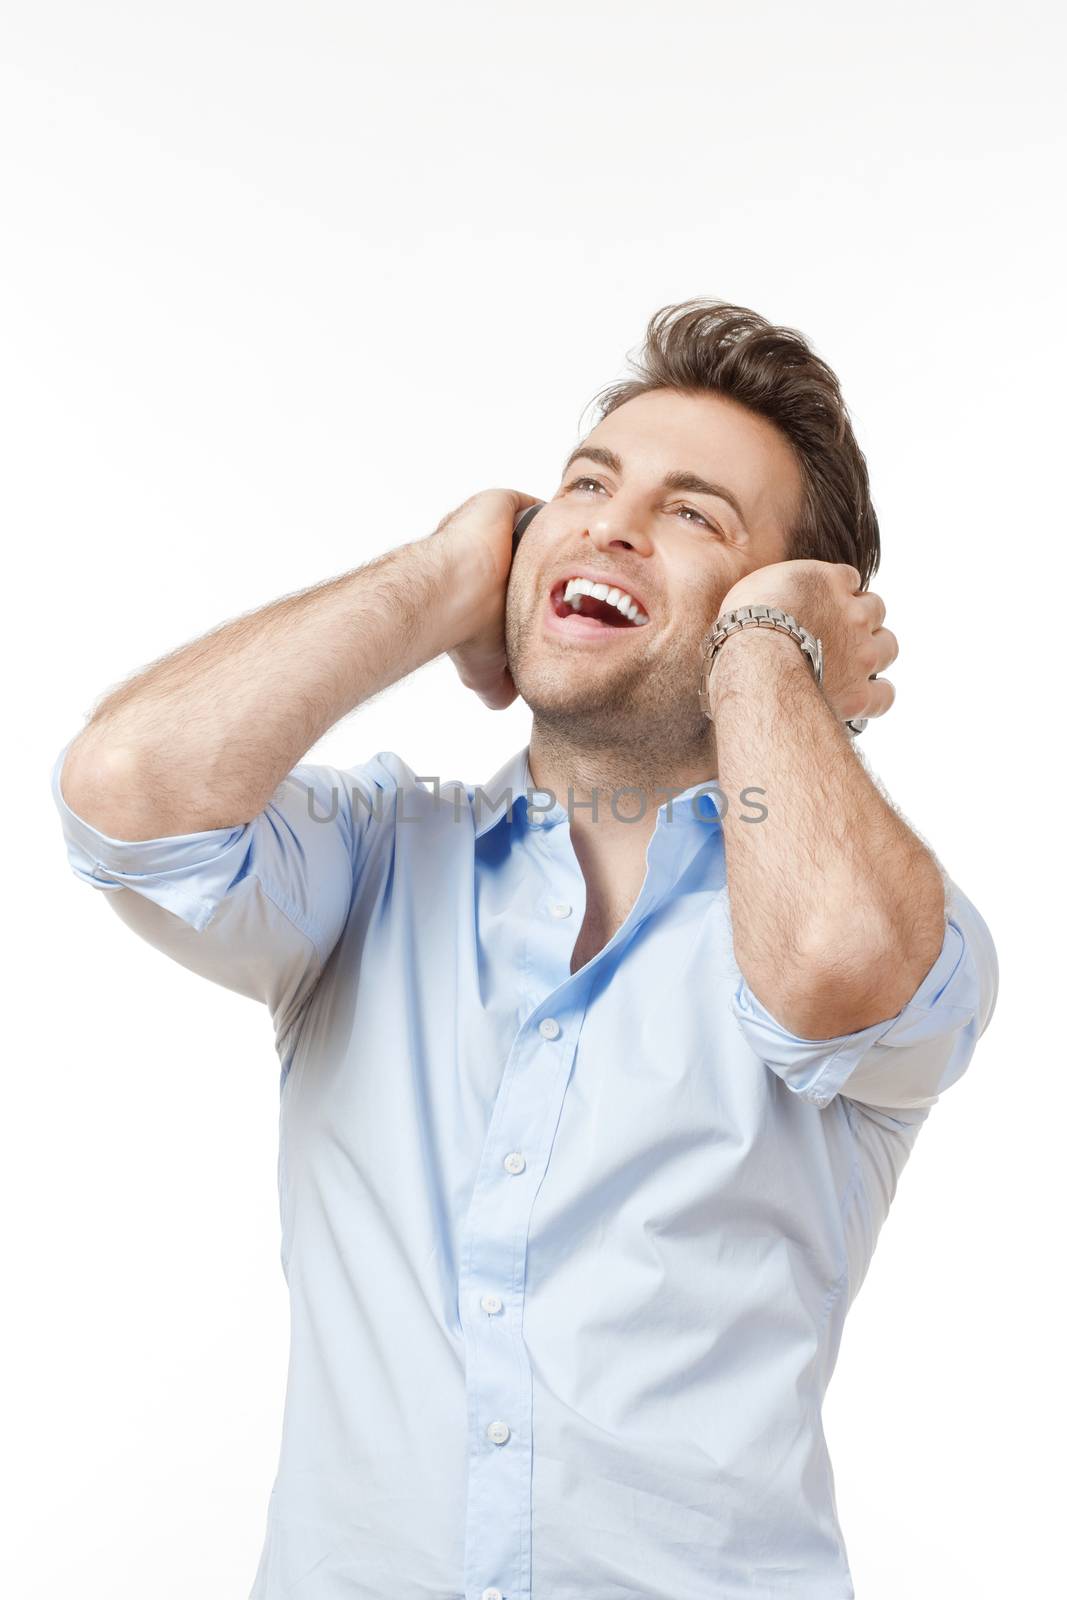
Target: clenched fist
(478, 535)
(825, 597)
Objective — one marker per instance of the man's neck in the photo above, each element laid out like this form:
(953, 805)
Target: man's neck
(627, 786)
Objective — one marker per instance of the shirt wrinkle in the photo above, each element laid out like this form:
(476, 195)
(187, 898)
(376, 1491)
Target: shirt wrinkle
(568, 1255)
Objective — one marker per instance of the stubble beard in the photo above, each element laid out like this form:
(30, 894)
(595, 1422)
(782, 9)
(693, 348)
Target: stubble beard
(651, 714)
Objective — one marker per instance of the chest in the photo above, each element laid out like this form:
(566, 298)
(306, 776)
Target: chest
(601, 922)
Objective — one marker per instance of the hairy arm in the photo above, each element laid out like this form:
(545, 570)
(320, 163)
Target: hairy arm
(202, 738)
(838, 909)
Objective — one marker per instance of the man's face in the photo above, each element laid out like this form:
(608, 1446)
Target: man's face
(675, 549)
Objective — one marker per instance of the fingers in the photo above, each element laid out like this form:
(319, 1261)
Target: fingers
(874, 606)
(881, 697)
(519, 500)
(880, 692)
(886, 648)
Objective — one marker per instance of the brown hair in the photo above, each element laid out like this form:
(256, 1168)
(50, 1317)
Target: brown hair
(708, 345)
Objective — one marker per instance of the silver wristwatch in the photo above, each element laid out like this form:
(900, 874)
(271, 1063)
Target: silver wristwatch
(763, 617)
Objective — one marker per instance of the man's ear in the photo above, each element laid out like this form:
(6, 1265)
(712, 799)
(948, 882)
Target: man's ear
(522, 522)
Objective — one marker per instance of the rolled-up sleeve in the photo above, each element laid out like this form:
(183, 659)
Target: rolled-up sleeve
(907, 1061)
(257, 907)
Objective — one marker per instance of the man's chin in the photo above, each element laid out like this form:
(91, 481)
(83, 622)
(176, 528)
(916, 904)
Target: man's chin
(596, 719)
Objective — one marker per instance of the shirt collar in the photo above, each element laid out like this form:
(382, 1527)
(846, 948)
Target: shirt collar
(700, 803)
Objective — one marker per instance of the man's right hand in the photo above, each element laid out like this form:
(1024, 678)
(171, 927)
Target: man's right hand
(479, 533)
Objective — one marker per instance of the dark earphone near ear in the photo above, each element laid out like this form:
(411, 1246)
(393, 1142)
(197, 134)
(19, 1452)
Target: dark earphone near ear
(522, 522)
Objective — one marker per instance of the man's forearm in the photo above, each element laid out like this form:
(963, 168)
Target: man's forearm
(202, 738)
(837, 907)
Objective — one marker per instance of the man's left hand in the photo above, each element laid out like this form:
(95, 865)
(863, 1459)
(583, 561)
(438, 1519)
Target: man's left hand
(825, 597)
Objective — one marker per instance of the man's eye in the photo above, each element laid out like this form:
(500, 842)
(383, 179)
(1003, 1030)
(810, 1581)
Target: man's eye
(577, 483)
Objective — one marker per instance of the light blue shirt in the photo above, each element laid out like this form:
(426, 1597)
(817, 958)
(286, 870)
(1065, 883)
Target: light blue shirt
(568, 1256)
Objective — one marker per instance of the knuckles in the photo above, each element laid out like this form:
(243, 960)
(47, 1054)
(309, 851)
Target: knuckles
(851, 704)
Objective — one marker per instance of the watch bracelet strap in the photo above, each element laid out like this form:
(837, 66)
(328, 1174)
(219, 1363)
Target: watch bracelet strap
(731, 622)
(755, 616)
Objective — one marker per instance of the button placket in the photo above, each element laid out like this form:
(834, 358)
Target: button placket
(526, 1114)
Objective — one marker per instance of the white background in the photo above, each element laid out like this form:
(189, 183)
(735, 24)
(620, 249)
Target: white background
(281, 285)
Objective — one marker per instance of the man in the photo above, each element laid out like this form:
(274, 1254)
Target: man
(593, 1103)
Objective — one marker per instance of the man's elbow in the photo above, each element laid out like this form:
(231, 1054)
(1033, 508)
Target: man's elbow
(103, 785)
(850, 984)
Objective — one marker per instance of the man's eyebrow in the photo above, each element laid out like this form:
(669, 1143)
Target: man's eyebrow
(688, 482)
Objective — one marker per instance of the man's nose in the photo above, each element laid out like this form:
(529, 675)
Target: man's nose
(613, 527)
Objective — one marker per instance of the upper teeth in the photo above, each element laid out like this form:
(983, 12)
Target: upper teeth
(600, 591)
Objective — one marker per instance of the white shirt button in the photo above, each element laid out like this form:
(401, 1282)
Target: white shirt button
(499, 1432)
(492, 1594)
(491, 1302)
(560, 908)
(548, 1028)
(515, 1162)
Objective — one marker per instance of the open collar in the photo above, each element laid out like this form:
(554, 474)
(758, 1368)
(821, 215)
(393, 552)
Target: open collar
(700, 803)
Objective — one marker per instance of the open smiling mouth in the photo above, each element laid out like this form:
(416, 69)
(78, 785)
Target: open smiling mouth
(601, 605)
